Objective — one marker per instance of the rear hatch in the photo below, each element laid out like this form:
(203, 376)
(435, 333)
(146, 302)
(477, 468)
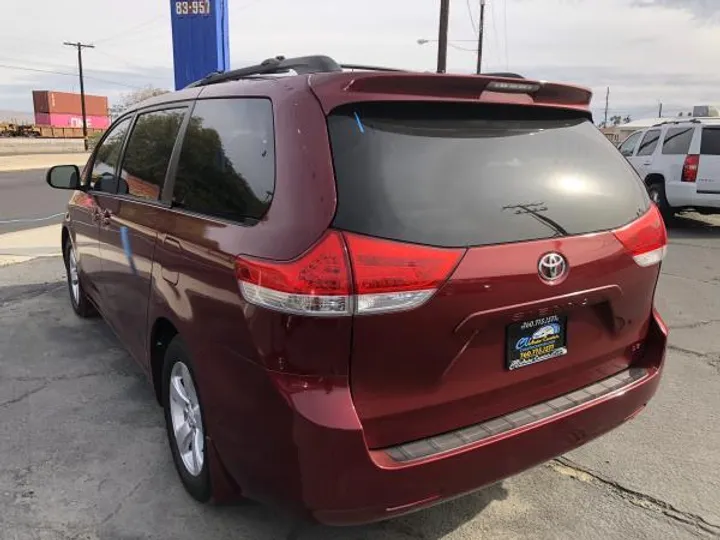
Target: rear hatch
(478, 201)
(708, 167)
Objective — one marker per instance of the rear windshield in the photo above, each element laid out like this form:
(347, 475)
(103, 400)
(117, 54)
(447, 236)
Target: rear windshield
(466, 175)
(710, 145)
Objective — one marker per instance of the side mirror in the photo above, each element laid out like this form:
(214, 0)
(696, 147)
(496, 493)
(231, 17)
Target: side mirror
(64, 177)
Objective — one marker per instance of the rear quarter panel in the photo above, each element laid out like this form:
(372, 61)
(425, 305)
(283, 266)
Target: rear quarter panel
(234, 343)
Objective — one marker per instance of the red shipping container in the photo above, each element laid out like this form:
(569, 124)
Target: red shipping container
(45, 101)
(71, 120)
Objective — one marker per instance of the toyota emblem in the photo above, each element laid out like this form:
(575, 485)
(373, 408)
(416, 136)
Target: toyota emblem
(552, 266)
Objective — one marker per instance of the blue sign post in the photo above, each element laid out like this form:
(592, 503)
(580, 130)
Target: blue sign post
(200, 39)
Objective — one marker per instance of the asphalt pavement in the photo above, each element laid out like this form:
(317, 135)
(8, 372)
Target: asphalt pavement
(83, 454)
(26, 201)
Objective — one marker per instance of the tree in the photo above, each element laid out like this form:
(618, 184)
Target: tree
(131, 98)
(617, 120)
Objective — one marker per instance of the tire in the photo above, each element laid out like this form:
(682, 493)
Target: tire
(184, 416)
(78, 299)
(657, 195)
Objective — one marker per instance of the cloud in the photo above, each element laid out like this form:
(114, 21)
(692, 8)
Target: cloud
(647, 51)
(699, 8)
(17, 94)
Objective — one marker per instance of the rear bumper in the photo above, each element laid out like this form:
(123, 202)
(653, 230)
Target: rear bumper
(342, 482)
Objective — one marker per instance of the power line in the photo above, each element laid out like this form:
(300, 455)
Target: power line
(130, 31)
(507, 56)
(136, 66)
(470, 15)
(14, 38)
(461, 48)
(494, 28)
(48, 66)
(53, 72)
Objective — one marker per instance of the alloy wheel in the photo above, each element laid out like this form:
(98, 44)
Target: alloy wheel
(186, 419)
(73, 275)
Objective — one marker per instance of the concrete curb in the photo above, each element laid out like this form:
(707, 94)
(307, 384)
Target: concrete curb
(22, 246)
(41, 161)
(23, 146)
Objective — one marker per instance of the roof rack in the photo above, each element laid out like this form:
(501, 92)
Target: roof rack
(370, 68)
(301, 65)
(678, 121)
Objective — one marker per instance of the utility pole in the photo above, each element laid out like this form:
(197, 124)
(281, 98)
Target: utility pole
(481, 31)
(607, 105)
(442, 36)
(80, 47)
(660, 111)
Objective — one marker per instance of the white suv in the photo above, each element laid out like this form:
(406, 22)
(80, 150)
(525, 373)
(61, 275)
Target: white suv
(679, 162)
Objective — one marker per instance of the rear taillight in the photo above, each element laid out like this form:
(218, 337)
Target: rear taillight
(645, 238)
(690, 168)
(386, 276)
(392, 276)
(316, 283)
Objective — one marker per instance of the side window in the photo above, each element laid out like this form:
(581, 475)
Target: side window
(102, 176)
(710, 144)
(227, 163)
(677, 141)
(627, 148)
(649, 142)
(148, 153)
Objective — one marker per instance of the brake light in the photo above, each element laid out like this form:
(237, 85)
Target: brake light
(690, 168)
(645, 238)
(505, 86)
(388, 276)
(393, 276)
(316, 283)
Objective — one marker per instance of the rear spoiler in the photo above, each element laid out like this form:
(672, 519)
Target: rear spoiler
(334, 90)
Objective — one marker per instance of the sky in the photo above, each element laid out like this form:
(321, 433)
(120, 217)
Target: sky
(646, 51)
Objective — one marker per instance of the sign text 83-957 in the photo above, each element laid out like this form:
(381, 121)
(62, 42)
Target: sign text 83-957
(194, 7)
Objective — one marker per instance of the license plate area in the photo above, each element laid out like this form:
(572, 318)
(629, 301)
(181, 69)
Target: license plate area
(534, 341)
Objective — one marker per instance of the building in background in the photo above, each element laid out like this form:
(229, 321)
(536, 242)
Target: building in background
(64, 110)
(617, 134)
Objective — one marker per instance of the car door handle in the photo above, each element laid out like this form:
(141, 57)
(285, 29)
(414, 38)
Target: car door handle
(106, 217)
(172, 245)
(647, 163)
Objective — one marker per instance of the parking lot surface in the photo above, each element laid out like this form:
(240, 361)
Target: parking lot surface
(28, 202)
(83, 453)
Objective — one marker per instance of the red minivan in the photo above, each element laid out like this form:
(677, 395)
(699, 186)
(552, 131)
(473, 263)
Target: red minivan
(360, 293)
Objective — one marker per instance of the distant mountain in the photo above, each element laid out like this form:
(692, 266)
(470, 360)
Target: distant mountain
(16, 117)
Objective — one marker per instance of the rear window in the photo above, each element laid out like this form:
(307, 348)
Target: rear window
(460, 175)
(710, 145)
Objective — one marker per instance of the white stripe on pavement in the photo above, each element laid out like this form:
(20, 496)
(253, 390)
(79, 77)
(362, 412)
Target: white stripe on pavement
(30, 220)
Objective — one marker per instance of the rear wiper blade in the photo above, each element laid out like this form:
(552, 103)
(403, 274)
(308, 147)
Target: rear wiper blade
(534, 210)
